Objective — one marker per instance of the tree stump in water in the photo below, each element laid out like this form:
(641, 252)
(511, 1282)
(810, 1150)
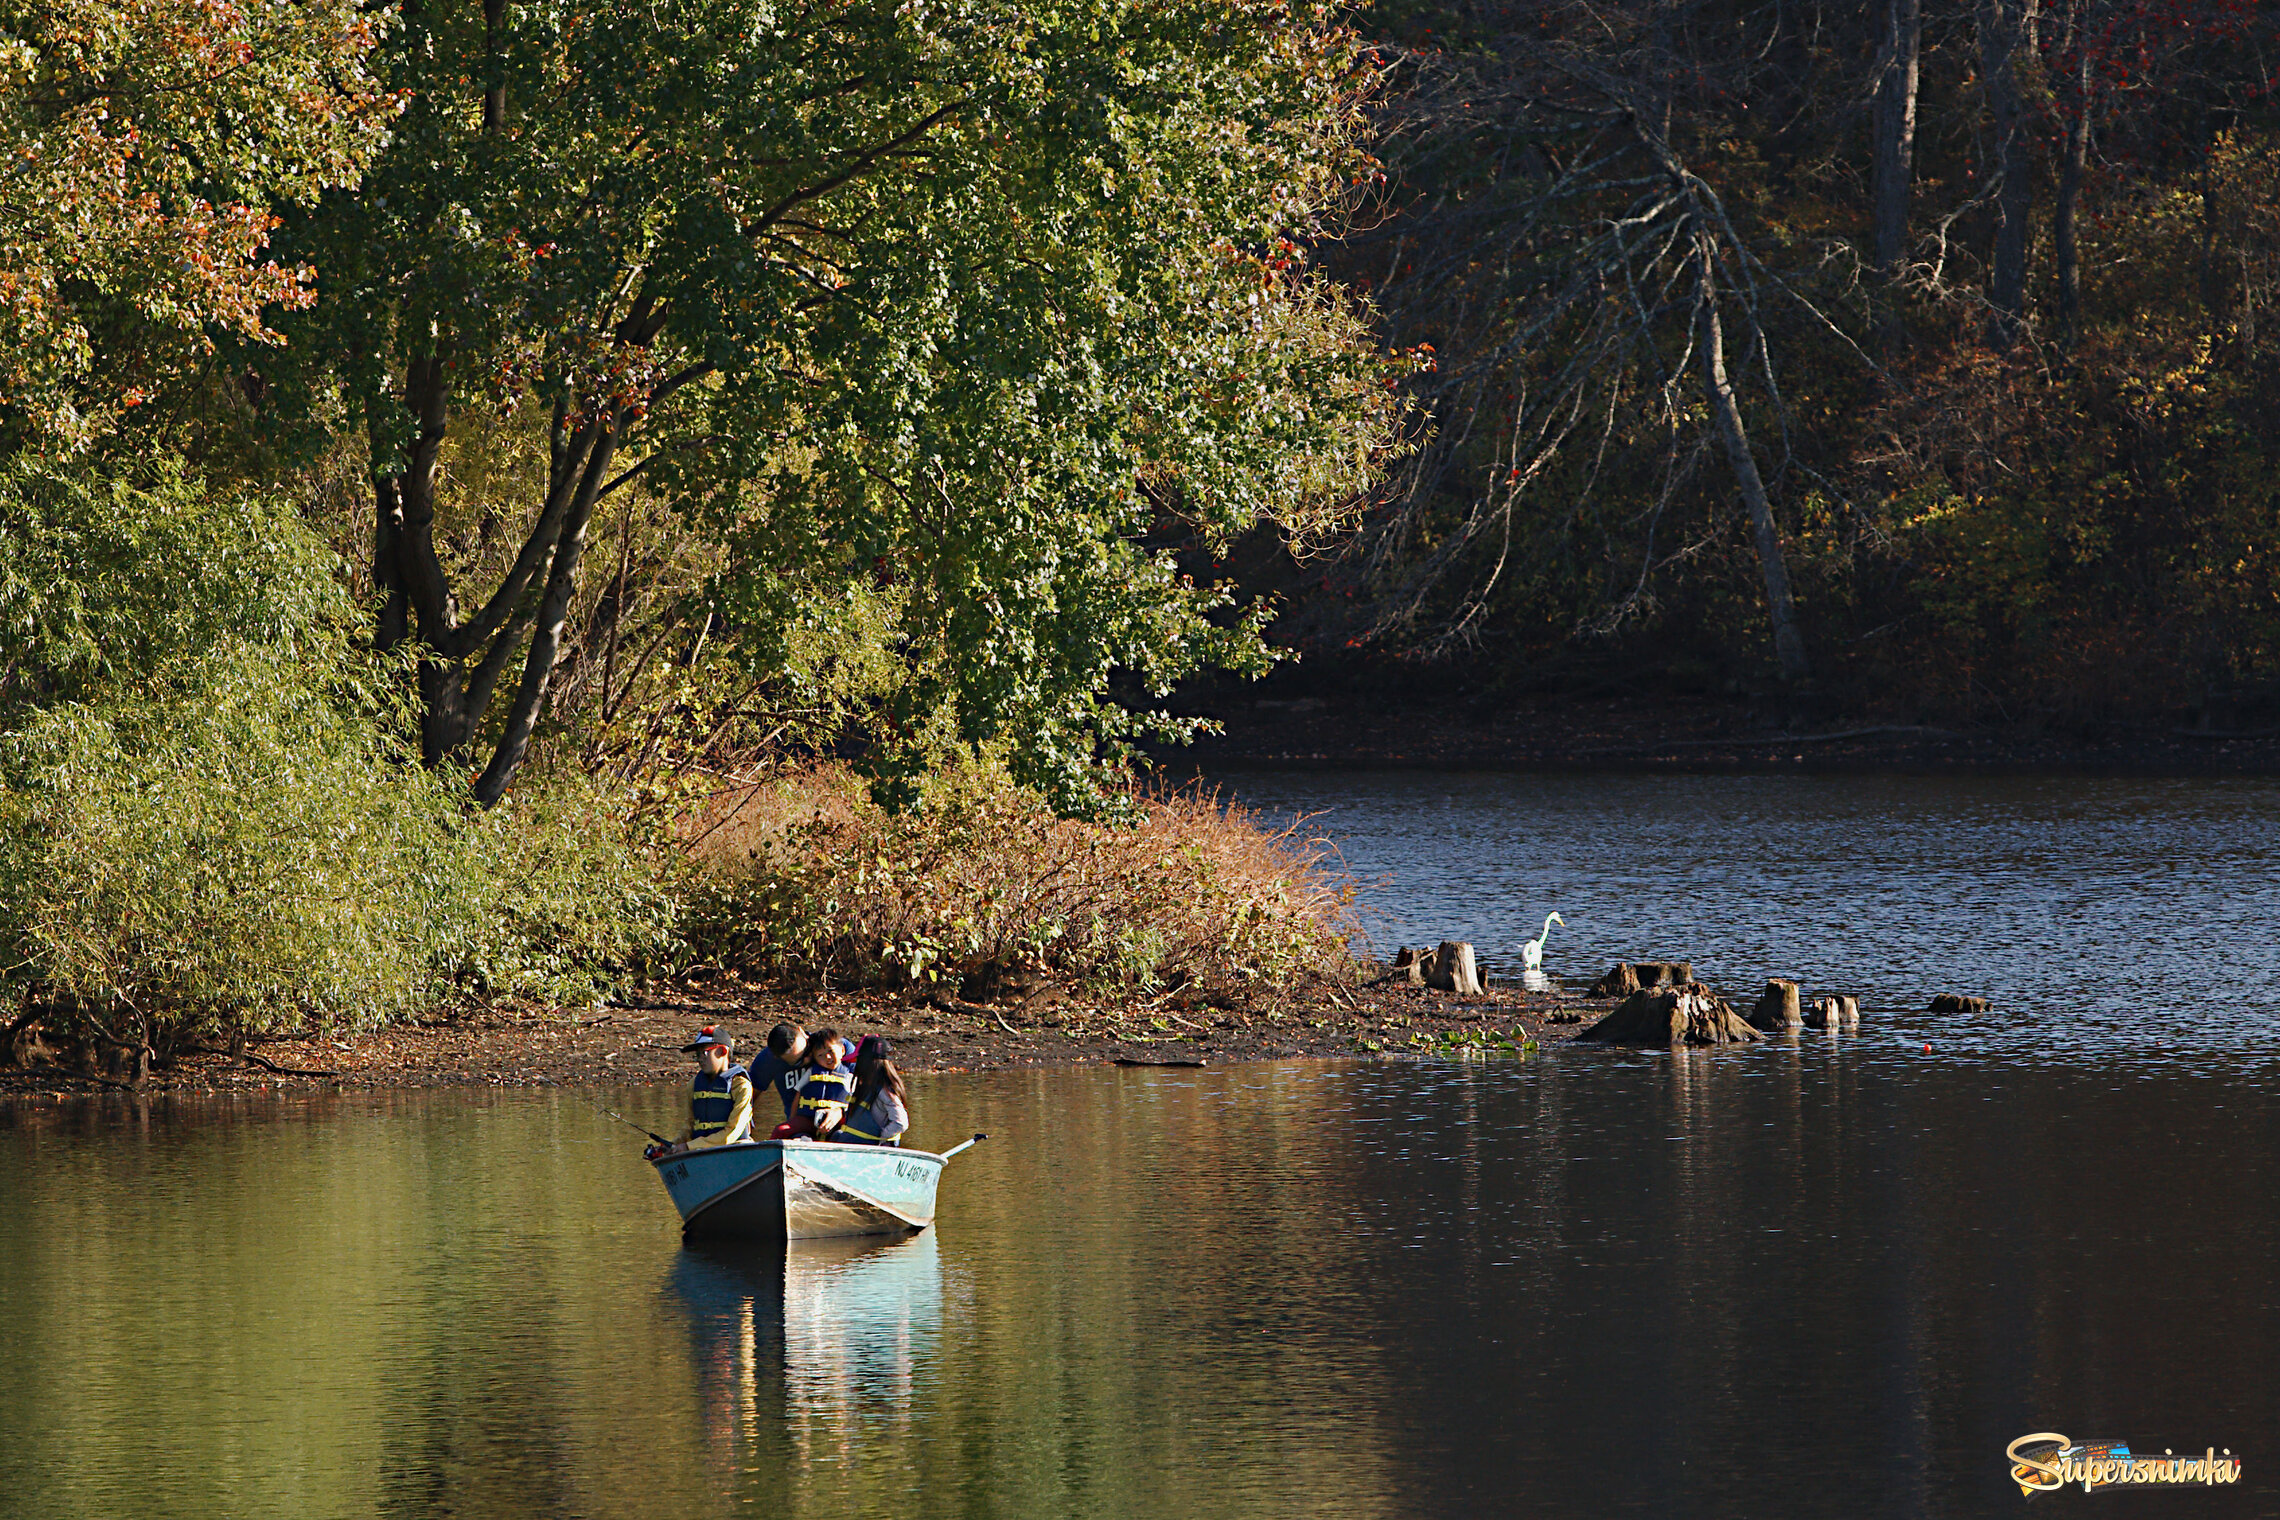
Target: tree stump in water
(1949, 1002)
(1777, 1006)
(1689, 1015)
(1834, 1013)
(1409, 966)
(1628, 977)
(1621, 980)
(1453, 969)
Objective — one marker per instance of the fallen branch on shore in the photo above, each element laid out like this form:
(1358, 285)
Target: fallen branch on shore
(947, 1004)
(284, 1071)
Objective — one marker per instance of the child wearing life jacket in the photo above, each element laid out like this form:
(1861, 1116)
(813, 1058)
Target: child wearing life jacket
(825, 1089)
(878, 1113)
(720, 1099)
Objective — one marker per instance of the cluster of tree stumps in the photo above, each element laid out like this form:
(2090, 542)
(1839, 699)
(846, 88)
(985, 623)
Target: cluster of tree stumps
(1662, 1004)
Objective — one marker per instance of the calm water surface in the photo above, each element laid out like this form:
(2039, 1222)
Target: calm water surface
(2099, 914)
(1820, 1277)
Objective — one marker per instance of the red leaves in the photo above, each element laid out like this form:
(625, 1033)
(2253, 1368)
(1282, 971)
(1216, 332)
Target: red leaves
(118, 133)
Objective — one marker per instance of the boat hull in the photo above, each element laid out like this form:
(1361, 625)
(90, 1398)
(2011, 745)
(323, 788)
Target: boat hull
(801, 1190)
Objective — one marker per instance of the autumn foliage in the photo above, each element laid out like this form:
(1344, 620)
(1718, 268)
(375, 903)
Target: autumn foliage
(143, 147)
(802, 876)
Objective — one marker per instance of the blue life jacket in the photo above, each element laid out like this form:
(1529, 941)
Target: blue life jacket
(824, 1094)
(709, 1103)
(861, 1127)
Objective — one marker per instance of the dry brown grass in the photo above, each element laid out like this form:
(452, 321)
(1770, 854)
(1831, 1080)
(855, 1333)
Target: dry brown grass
(802, 877)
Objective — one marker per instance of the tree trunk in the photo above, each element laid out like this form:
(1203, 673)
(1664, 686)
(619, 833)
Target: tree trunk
(1896, 132)
(2065, 223)
(2007, 51)
(1788, 642)
(495, 97)
(461, 664)
(411, 570)
(553, 611)
(2247, 324)
(393, 623)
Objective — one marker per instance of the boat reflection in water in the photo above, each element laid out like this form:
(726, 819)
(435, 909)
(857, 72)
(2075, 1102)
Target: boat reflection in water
(796, 1339)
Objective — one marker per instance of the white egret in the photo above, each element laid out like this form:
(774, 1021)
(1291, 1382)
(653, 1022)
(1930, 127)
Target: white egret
(1532, 953)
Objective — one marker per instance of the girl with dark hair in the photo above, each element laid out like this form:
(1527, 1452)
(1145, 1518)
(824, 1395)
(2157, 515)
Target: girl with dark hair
(878, 1114)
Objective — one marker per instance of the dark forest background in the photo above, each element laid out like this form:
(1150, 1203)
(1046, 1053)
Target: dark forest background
(1912, 353)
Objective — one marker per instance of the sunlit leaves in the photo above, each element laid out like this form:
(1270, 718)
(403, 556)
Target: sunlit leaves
(964, 300)
(142, 146)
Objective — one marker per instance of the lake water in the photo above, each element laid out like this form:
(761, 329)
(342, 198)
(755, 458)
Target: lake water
(2109, 915)
(1813, 1277)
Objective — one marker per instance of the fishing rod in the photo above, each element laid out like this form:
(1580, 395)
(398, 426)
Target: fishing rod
(629, 1124)
(613, 1114)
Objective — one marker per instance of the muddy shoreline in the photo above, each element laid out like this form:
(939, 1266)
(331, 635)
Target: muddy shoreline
(637, 1041)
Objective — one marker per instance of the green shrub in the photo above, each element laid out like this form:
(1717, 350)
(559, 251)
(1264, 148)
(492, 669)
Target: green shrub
(210, 823)
(237, 853)
(559, 894)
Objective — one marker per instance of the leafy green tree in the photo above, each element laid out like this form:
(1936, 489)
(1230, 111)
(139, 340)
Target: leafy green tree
(958, 302)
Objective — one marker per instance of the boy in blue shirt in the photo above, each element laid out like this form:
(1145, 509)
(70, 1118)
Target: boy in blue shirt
(780, 1070)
